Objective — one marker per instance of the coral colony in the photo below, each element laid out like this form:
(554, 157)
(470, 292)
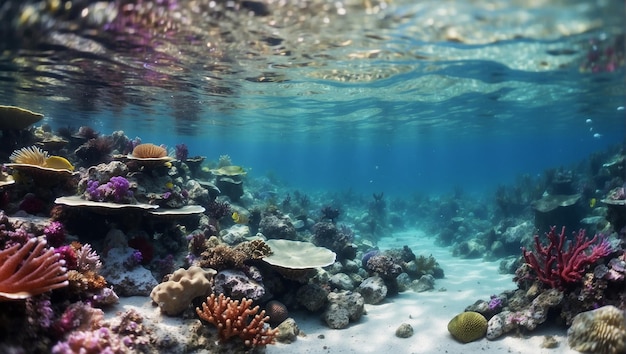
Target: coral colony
(116, 190)
(230, 255)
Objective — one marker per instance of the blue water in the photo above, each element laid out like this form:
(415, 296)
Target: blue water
(387, 104)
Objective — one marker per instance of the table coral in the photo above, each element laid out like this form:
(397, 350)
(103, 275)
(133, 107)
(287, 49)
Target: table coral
(235, 318)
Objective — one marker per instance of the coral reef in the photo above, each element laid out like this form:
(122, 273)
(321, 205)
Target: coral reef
(234, 318)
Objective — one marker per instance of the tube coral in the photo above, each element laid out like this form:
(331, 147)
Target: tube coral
(232, 318)
(24, 273)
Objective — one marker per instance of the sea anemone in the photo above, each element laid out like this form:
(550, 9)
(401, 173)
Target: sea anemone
(31, 155)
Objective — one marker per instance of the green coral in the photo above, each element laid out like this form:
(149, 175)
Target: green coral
(426, 265)
(468, 326)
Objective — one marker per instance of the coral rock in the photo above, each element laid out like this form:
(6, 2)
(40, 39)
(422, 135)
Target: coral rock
(373, 290)
(237, 285)
(138, 281)
(312, 296)
(404, 331)
(287, 331)
(600, 331)
(175, 295)
(468, 326)
(344, 307)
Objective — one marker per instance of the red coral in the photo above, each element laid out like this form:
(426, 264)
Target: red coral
(556, 267)
(234, 318)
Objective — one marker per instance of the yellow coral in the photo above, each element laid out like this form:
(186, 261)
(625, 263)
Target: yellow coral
(600, 331)
(58, 163)
(468, 326)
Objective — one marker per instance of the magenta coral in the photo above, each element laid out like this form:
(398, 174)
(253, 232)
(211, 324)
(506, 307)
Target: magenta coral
(30, 269)
(557, 267)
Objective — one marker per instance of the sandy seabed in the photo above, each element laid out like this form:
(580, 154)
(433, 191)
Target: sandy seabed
(465, 281)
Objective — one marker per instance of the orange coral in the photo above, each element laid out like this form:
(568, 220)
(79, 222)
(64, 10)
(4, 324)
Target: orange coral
(148, 151)
(232, 318)
(24, 273)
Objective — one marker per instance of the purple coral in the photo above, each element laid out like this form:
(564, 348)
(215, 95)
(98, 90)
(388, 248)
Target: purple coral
(181, 152)
(495, 303)
(55, 233)
(101, 340)
(134, 259)
(117, 190)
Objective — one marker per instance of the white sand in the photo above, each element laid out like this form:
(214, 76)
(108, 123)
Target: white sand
(428, 313)
(466, 280)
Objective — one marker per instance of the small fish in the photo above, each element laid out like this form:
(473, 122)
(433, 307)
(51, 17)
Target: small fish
(592, 202)
(240, 218)
(169, 185)
(588, 121)
(597, 135)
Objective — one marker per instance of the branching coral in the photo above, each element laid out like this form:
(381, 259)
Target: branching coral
(557, 267)
(236, 319)
(24, 273)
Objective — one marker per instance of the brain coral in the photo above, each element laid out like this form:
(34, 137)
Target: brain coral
(175, 295)
(600, 331)
(468, 326)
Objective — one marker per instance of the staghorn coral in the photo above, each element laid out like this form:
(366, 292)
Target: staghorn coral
(600, 331)
(30, 269)
(237, 319)
(149, 151)
(468, 326)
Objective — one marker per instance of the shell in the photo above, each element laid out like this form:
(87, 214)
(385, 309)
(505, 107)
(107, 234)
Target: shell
(149, 151)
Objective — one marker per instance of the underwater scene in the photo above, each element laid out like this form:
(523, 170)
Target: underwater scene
(351, 176)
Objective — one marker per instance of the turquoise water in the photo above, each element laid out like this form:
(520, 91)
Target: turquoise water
(383, 96)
